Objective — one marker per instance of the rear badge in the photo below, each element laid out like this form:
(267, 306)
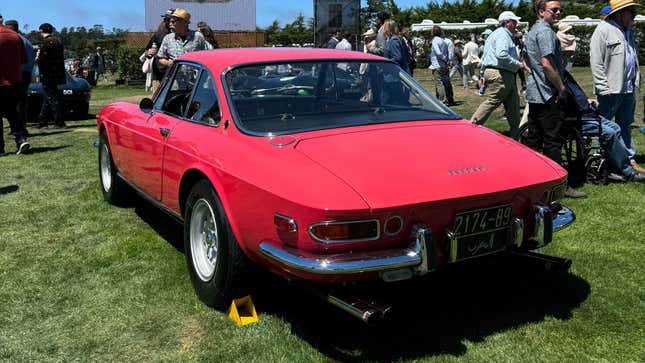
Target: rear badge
(472, 169)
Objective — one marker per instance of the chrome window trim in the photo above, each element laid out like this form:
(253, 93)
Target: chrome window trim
(236, 118)
(170, 76)
(327, 223)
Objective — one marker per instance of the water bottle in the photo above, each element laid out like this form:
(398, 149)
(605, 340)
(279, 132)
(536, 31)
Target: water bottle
(482, 89)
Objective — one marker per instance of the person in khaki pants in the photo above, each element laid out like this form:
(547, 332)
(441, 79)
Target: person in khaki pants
(501, 62)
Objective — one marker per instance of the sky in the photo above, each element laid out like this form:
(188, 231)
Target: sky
(130, 14)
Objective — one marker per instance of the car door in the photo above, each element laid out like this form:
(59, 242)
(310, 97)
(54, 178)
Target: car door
(146, 157)
(195, 139)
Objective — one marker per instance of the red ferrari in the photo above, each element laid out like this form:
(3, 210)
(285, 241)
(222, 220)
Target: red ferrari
(325, 166)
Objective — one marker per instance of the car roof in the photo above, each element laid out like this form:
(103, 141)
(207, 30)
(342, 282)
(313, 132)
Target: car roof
(224, 58)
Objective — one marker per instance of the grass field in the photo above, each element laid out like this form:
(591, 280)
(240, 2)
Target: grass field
(81, 280)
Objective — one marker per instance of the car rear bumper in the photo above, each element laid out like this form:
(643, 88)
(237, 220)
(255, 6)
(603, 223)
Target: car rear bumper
(418, 258)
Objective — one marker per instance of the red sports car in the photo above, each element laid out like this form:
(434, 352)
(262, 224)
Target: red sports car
(325, 166)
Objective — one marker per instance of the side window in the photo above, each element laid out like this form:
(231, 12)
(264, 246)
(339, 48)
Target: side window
(204, 106)
(178, 92)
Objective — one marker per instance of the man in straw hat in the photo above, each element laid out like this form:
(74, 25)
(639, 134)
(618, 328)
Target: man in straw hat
(500, 63)
(182, 40)
(369, 41)
(615, 68)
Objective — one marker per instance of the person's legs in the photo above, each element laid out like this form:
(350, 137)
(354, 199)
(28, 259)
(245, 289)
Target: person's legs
(53, 104)
(9, 103)
(440, 92)
(511, 102)
(617, 154)
(496, 93)
(447, 85)
(551, 122)
(625, 118)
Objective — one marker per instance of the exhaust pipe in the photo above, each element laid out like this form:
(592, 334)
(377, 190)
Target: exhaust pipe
(369, 311)
(546, 262)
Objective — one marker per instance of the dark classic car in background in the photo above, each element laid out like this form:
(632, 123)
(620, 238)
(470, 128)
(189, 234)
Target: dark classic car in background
(74, 96)
(324, 166)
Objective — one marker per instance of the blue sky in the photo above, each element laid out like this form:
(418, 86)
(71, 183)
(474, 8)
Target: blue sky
(130, 14)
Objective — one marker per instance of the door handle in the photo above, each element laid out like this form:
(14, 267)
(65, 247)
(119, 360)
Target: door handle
(164, 131)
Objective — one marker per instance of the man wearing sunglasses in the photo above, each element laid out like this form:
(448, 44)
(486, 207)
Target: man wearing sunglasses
(182, 40)
(615, 69)
(545, 91)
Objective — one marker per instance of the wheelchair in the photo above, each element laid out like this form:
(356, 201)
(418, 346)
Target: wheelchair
(584, 155)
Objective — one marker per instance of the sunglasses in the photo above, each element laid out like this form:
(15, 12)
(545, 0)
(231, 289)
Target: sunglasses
(555, 10)
(174, 20)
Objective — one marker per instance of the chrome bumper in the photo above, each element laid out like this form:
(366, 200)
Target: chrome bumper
(415, 255)
(419, 257)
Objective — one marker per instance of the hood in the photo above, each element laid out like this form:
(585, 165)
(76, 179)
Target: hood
(413, 163)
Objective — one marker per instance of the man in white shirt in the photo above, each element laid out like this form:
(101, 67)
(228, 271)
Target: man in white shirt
(344, 44)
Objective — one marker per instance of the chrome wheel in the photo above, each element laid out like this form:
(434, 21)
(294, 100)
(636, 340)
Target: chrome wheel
(204, 239)
(106, 167)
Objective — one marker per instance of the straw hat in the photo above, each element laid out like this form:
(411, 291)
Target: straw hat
(369, 33)
(621, 4)
(564, 27)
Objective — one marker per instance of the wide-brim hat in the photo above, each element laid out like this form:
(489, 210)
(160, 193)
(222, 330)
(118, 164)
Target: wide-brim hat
(617, 5)
(369, 33)
(181, 14)
(564, 27)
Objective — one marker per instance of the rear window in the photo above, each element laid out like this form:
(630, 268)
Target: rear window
(282, 98)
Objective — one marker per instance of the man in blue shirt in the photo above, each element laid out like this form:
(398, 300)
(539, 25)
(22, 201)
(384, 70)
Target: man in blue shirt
(545, 91)
(501, 62)
(439, 58)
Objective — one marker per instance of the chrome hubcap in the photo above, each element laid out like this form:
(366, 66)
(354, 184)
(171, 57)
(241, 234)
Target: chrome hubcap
(203, 239)
(106, 168)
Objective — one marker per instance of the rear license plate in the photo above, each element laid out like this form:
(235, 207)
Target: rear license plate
(480, 232)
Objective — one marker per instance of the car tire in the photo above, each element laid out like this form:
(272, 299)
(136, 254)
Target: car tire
(113, 188)
(216, 263)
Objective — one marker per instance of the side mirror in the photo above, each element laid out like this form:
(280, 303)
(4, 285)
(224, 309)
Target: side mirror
(146, 105)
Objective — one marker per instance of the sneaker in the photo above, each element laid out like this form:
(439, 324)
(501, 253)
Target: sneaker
(616, 178)
(635, 177)
(60, 126)
(637, 167)
(41, 126)
(23, 147)
(572, 193)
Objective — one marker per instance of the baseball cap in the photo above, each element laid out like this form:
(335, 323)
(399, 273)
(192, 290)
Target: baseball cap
(46, 28)
(605, 10)
(181, 14)
(508, 15)
(167, 14)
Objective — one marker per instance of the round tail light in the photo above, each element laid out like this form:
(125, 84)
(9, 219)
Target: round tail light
(393, 225)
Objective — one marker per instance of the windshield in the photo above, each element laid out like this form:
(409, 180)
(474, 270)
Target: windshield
(283, 98)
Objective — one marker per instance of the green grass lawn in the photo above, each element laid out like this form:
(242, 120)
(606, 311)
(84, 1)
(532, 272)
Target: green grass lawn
(84, 280)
